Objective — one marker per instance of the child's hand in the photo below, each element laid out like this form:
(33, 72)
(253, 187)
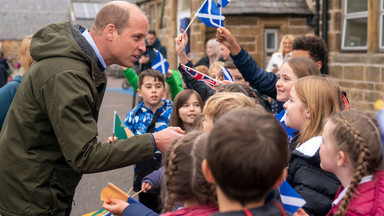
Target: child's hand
(169, 73)
(146, 186)
(181, 42)
(110, 139)
(115, 206)
(226, 38)
(300, 212)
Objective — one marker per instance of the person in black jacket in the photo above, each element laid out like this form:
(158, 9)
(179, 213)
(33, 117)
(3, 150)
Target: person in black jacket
(152, 42)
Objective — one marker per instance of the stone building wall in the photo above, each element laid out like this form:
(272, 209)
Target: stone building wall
(360, 73)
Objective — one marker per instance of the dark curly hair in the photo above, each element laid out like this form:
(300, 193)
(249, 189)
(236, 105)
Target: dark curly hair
(316, 47)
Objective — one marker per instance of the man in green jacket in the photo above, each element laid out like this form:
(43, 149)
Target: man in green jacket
(49, 136)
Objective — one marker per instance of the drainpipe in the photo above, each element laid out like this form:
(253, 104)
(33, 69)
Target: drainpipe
(324, 30)
(317, 20)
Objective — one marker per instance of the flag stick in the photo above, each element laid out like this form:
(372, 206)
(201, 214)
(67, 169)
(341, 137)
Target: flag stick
(113, 128)
(221, 13)
(194, 17)
(137, 192)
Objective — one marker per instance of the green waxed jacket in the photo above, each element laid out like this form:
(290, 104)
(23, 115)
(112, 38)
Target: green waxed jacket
(48, 138)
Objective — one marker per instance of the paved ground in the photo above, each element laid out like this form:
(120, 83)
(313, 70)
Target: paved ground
(87, 196)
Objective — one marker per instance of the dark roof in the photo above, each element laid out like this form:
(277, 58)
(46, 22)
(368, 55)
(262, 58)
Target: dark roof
(241, 7)
(22, 17)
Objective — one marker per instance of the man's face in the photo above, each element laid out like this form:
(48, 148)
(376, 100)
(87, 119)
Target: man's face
(151, 39)
(224, 52)
(305, 54)
(126, 47)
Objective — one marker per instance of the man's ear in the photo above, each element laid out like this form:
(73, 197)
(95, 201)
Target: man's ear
(319, 64)
(207, 172)
(111, 31)
(280, 180)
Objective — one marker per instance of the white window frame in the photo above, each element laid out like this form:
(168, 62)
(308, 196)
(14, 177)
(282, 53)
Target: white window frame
(381, 41)
(276, 45)
(354, 15)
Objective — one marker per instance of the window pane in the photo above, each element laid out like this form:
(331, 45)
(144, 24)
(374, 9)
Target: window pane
(356, 32)
(357, 6)
(271, 41)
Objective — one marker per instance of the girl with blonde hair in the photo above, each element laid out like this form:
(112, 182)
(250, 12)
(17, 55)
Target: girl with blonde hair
(312, 100)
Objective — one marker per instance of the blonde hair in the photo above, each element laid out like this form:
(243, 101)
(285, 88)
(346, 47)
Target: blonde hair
(287, 36)
(216, 67)
(26, 58)
(322, 96)
(216, 46)
(358, 136)
(223, 102)
(203, 69)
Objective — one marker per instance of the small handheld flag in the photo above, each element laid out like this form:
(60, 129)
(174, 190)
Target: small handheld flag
(200, 76)
(112, 191)
(226, 74)
(291, 200)
(210, 14)
(161, 64)
(119, 129)
(222, 3)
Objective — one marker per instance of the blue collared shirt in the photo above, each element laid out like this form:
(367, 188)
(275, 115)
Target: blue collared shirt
(88, 37)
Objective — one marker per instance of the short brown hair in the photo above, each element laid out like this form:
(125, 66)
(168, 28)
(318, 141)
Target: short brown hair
(247, 153)
(150, 72)
(113, 13)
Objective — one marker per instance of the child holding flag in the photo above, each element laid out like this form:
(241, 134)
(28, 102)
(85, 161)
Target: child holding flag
(184, 180)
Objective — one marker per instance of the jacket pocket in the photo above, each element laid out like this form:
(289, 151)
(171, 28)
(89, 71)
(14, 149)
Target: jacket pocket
(63, 183)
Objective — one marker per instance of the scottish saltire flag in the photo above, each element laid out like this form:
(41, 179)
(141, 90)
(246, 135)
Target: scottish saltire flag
(161, 64)
(222, 3)
(200, 76)
(210, 14)
(226, 74)
(291, 200)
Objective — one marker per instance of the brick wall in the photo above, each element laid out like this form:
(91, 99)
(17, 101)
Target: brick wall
(360, 74)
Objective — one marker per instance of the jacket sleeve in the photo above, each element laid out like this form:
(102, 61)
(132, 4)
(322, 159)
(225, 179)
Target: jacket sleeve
(263, 81)
(204, 91)
(154, 179)
(175, 83)
(72, 105)
(132, 77)
(136, 209)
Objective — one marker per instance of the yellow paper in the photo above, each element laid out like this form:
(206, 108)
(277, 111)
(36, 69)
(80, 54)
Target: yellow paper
(112, 191)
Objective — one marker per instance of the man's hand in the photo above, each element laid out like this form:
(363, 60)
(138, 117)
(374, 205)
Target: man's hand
(166, 137)
(226, 38)
(115, 206)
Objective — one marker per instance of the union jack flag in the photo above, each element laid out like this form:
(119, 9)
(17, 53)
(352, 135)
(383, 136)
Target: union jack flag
(200, 76)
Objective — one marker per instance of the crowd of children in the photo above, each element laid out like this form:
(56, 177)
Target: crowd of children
(331, 156)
